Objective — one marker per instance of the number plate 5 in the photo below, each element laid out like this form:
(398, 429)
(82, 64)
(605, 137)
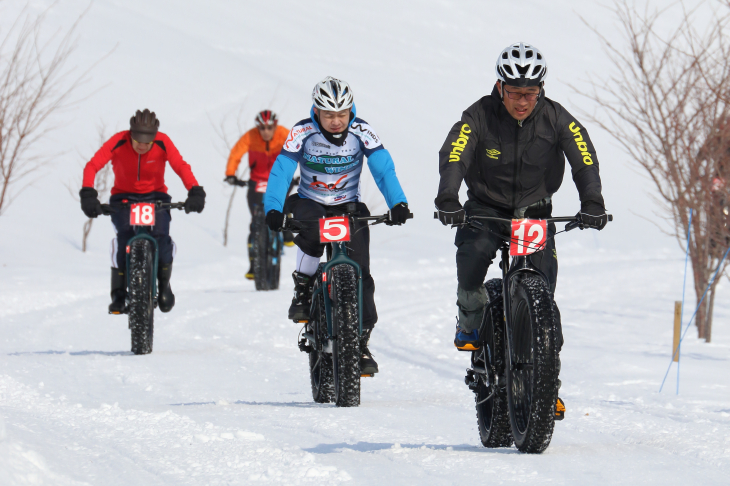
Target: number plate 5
(142, 214)
(528, 236)
(334, 229)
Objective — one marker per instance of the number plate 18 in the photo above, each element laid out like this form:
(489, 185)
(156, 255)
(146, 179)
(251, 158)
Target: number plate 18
(528, 236)
(142, 214)
(332, 230)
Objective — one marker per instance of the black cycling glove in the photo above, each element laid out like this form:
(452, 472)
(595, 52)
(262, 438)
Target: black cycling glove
(275, 220)
(90, 204)
(592, 215)
(231, 180)
(450, 211)
(399, 213)
(196, 200)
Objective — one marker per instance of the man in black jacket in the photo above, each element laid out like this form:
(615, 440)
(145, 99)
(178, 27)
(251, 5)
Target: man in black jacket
(510, 149)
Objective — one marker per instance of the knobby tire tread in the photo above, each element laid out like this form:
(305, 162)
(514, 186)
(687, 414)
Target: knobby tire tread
(345, 315)
(321, 378)
(493, 415)
(140, 295)
(539, 429)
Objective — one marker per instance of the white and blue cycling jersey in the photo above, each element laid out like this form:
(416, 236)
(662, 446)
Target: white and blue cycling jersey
(330, 174)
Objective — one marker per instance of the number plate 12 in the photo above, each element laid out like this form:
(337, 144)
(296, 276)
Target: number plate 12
(142, 214)
(333, 230)
(528, 236)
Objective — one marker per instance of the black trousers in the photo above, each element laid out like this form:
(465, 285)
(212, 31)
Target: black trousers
(358, 248)
(160, 231)
(476, 249)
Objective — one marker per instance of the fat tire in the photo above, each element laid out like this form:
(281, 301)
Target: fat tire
(260, 249)
(320, 374)
(532, 390)
(346, 348)
(493, 415)
(140, 295)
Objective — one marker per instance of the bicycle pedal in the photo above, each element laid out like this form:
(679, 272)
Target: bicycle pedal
(301, 322)
(467, 347)
(370, 375)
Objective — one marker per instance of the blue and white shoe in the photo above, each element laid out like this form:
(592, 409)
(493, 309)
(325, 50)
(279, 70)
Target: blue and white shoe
(467, 341)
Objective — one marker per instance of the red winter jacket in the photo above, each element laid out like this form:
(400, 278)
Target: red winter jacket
(138, 174)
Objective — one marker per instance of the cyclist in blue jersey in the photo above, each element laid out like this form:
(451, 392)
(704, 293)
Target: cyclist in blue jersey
(330, 148)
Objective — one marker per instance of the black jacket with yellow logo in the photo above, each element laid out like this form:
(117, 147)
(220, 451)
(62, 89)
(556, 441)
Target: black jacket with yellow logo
(510, 165)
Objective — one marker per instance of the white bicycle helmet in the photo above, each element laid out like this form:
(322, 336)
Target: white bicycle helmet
(332, 94)
(521, 65)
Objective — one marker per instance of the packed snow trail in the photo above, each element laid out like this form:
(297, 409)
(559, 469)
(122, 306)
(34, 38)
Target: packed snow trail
(225, 399)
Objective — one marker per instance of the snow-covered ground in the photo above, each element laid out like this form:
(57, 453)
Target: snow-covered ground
(224, 399)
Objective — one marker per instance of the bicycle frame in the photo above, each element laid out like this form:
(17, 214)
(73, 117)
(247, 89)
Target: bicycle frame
(143, 232)
(339, 257)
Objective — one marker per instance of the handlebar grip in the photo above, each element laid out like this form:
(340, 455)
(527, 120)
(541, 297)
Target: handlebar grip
(410, 216)
(610, 217)
(435, 215)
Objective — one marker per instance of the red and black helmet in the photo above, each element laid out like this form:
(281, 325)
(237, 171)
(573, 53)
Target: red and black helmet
(266, 118)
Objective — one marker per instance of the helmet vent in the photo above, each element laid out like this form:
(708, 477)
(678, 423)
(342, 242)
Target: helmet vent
(504, 55)
(528, 54)
(508, 70)
(516, 53)
(522, 69)
(539, 56)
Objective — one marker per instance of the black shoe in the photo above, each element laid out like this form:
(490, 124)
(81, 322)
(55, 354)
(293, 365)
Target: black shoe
(300, 304)
(119, 291)
(368, 366)
(165, 297)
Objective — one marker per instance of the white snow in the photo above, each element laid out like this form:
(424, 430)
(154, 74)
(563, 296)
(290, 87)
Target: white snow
(224, 398)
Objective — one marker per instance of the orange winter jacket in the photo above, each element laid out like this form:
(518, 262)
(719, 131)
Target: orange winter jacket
(261, 155)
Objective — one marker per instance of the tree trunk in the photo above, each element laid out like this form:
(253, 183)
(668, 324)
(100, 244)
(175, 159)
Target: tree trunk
(87, 230)
(710, 308)
(228, 215)
(700, 285)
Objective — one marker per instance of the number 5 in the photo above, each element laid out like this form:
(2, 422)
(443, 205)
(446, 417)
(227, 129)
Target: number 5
(330, 224)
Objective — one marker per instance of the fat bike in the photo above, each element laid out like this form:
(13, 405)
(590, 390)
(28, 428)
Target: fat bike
(142, 262)
(266, 246)
(331, 336)
(514, 373)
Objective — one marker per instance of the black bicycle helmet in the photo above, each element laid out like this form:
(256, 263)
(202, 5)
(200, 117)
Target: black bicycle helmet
(144, 125)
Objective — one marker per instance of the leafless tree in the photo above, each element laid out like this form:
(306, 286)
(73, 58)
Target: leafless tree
(228, 142)
(35, 83)
(103, 185)
(666, 103)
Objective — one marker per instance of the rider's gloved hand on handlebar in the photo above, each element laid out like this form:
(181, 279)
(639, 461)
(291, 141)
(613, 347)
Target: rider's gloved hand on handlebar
(592, 215)
(450, 210)
(231, 180)
(399, 213)
(196, 200)
(275, 220)
(90, 204)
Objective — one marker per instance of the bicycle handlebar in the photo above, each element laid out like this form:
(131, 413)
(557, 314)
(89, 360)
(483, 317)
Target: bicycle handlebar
(108, 209)
(572, 221)
(295, 225)
(237, 182)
